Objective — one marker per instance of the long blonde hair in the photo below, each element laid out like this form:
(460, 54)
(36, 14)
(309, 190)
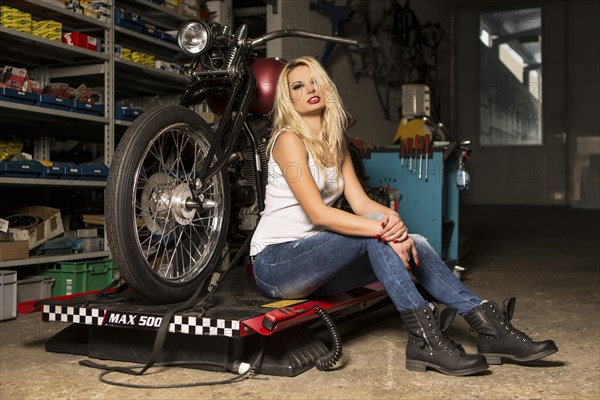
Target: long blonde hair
(335, 117)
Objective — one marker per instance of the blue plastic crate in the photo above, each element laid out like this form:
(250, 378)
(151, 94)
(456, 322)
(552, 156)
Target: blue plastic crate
(152, 32)
(71, 171)
(21, 169)
(84, 108)
(54, 102)
(129, 21)
(18, 96)
(127, 113)
(55, 171)
(94, 172)
(167, 37)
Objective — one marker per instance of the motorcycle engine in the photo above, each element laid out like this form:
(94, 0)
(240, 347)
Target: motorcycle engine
(244, 200)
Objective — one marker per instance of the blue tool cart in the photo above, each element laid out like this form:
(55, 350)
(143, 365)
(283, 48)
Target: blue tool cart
(428, 205)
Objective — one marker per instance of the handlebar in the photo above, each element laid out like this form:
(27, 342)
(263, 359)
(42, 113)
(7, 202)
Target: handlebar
(299, 33)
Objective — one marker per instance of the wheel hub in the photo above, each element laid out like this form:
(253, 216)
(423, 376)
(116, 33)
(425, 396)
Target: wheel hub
(163, 204)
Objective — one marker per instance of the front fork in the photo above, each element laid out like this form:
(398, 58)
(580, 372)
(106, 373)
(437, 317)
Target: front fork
(208, 170)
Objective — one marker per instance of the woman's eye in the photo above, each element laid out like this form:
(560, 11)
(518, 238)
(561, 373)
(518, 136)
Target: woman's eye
(297, 86)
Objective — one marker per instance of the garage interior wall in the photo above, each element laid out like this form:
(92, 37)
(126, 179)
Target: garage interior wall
(552, 173)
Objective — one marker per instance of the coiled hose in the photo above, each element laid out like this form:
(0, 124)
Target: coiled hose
(327, 361)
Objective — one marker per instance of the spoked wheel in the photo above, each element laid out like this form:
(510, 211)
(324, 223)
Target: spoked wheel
(163, 239)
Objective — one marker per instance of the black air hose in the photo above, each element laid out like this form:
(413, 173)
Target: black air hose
(327, 362)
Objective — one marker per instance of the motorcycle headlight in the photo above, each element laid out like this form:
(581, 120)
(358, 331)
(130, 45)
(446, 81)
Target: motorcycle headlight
(194, 37)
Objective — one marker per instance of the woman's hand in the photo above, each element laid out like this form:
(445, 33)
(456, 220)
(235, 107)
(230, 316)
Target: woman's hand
(405, 250)
(392, 229)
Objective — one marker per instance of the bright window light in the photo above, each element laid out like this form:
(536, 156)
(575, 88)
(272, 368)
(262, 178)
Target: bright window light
(484, 36)
(534, 83)
(512, 60)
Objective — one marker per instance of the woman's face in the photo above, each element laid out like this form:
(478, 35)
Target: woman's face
(304, 91)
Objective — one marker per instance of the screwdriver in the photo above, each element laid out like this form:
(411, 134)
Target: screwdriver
(409, 149)
(402, 151)
(427, 143)
(419, 149)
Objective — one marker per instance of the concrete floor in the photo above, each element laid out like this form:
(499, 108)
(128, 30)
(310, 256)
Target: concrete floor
(548, 257)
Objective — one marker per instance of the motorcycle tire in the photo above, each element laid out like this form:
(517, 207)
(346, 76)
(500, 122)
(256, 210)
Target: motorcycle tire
(162, 243)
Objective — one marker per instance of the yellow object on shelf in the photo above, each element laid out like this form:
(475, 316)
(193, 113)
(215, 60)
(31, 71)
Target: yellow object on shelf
(411, 128)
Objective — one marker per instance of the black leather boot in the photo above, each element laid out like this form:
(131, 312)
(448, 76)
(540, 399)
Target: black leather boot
(498, 339)
(430, 347)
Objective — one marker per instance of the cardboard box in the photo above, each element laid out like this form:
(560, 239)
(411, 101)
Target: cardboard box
(80, 40)
(6, 237)
(14, 78)
(18, 250)
(15, 19)
(50, 227)
(47, 29)
(57, 89)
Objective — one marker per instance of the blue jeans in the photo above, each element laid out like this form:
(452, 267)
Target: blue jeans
(327, 263)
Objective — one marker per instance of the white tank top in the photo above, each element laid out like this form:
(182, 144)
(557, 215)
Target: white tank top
(284, 219)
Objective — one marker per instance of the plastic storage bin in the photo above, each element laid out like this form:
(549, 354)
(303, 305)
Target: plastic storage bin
(8, 295)
(21, 169)
(129, 21)
(34, 288)
(18, 96)
(84, 108)
(78, 277)
(94, 172)
(55, 103)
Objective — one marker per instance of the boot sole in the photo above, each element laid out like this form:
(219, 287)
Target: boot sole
(496, 359)
(421, 366)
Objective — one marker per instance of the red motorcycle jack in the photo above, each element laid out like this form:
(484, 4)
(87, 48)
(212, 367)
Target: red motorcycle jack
(238, 323)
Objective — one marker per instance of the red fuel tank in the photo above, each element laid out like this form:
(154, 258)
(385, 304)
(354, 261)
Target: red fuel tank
(266, 71)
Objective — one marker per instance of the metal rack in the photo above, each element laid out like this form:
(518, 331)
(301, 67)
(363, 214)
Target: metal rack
(48, 60)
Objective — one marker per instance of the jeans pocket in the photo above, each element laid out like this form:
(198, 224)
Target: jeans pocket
(270, 291)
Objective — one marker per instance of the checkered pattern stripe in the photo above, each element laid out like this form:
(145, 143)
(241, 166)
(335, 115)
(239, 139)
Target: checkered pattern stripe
(205, 326)
(77, 315)
(181, 324)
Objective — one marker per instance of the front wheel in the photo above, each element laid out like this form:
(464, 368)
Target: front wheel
(163, 241)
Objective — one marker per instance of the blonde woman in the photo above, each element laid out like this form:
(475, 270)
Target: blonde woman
(303, 246)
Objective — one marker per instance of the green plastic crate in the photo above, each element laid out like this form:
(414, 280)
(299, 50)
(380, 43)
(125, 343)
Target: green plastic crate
(78, 277)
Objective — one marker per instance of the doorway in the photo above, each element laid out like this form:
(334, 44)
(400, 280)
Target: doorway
(517, 129)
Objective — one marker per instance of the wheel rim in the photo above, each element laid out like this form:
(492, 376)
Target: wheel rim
(177, 241)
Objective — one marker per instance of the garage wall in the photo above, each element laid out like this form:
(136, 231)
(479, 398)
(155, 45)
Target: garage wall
(554, 173)
(583, 101)
(359, 96)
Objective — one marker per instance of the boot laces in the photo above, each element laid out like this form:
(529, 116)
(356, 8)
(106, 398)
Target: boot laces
(505, 321)
(446, 342)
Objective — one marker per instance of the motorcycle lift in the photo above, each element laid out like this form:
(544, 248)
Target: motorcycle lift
(230, 331)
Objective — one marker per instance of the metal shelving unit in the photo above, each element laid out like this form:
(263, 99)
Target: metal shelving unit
(48, 60)
(33, 260)
(158, 16)
(36, 182)
(17, 46)
(25, 111)
(46, 10)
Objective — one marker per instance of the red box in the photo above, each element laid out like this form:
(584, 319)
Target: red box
(57, 89)
(80, 40)
(14, 78)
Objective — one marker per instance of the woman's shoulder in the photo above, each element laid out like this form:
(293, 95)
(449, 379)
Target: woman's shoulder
(287, 144)
(288, 137)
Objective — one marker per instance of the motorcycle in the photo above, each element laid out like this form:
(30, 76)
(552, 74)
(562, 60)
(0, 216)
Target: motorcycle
(181, 194)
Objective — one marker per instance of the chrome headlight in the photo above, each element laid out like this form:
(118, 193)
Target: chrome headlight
(194, 37)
